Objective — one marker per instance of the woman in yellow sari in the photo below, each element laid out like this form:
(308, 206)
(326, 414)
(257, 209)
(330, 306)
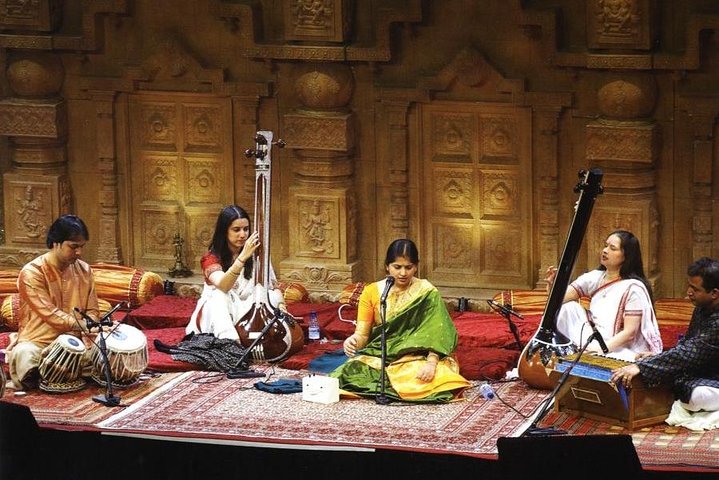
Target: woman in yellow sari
(420, 337)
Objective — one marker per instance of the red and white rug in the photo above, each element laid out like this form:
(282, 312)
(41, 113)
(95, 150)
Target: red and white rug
(203, 405)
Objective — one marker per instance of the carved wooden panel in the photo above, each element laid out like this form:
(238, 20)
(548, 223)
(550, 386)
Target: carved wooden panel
(36, 15)
(616, 212)
(200, 223)
(316, 20)
(318, 229)
(477, 203)
(31, 211)
(182, 163)
(619, 24)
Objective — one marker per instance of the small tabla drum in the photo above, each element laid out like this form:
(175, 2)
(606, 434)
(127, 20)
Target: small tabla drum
(61, 367)
(126, 354)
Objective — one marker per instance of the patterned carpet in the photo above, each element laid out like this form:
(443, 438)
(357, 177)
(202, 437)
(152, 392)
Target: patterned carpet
(659, 447)
(208, 406)
(77, 409)
(212, 407)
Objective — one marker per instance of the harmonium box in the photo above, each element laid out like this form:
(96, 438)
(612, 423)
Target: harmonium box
(588, 392)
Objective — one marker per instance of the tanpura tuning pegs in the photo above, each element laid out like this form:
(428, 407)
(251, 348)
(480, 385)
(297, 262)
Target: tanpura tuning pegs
(280, 143)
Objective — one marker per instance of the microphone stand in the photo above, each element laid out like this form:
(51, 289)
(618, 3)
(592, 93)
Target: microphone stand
(512, 326)
(381, 398)
(533, 430)
(109, 399)
(242, 368)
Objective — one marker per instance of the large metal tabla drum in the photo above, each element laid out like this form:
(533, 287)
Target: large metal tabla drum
(61, 367)
(126, 354)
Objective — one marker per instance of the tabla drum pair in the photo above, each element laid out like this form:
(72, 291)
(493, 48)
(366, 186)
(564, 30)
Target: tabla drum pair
(61, 368)
(126, 354)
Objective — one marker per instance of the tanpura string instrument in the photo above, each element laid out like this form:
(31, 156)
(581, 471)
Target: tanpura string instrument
(541, 352)
(285, 336)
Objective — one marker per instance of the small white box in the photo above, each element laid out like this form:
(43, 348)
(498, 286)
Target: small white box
(320, 389)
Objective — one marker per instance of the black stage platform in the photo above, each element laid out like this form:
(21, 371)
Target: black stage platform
(29, 452)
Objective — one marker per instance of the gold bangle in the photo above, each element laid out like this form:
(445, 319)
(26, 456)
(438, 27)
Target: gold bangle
(237, 274)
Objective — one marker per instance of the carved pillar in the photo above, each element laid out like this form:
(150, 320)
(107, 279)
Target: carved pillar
(394, 182)
(109, 236)
(37, 188)
(545, 136)
(701, 184)
(624, 141)
(322, 217)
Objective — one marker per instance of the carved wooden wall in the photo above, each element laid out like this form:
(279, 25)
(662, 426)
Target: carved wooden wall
(477, 209)
(182, 175)
(460, 124)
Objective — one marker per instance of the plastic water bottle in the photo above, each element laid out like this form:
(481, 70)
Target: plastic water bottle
(314, 327)
(486, 391)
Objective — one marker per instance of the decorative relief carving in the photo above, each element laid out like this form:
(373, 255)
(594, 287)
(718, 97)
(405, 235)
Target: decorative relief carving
(313, 167)
(482, 201)
(454, 191)
(501, 250)
(205, 181)
(319, 277)
(453, 247)
(201, 128)
(452, 137)
(499, 194)
(158, 231)
(351, 226)
(637, 215)
(498, 137)
(20, 118)
(20, 257)
(35, 15)
(32, 209)
(318, 227)
(160, 126)
(65, 195)
(621, 142)
(319, 20)
(619, 24)
(335, 132)
(159, 175)
(35, 75)
(201, 228)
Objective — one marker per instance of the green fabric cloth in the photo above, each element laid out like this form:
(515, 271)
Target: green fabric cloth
(424, 325)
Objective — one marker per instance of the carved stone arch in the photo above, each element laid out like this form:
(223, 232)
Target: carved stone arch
(171, 134)
(470, 76)
(466, 138)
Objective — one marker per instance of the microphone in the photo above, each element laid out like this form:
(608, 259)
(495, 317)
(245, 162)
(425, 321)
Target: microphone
(88, 319)
(389, 281)
(597, 336)
(503, 308)
(105, 321)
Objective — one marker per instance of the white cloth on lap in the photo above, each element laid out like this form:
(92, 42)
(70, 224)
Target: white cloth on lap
(697, 421)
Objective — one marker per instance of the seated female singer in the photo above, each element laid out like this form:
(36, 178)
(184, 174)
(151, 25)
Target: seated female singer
(420, 337)
(620, 302)
(228, 292)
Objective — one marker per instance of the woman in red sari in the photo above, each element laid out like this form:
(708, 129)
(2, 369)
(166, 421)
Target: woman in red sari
(227, 267)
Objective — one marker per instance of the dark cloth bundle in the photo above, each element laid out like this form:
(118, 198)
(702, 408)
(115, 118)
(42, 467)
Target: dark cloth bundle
(205, 350)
